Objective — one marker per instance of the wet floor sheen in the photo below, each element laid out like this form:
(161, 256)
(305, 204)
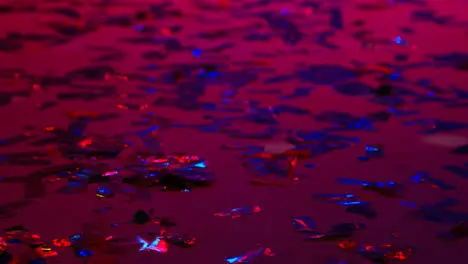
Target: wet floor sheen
(257, 130)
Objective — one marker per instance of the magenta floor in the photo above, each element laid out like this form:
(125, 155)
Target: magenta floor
(300, 131)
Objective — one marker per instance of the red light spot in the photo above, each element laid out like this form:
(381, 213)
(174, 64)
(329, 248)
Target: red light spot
(85, 143)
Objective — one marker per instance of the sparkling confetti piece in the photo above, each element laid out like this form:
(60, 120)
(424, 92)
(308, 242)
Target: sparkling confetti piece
(346, 199)
(104, 192)
(158, 245)
(374, 151)
(423, 177)
(239, 212)
(389, 189)
(303, 223)
(249, 256)
(84, 253)
(66, 241)
(171, 172)
(180, 240)
(379, 253)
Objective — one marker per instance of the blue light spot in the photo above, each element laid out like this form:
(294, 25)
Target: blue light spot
(233, 260)
(200, 165)
(363, 158)
(398, 40)
(74, 237)
(394, 76)
(84, 253)
(212, 74)
(196, 53)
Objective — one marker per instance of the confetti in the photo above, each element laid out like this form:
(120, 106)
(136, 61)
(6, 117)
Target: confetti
(239, 212)
(171, 173)
(249, 256)
(104, 192)
(389, 189)
(372, 151)
(381, 253)
(180, 240)
(139, 121)
(338, 231)
(423, 177)
(303, 224)
(158, 245)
